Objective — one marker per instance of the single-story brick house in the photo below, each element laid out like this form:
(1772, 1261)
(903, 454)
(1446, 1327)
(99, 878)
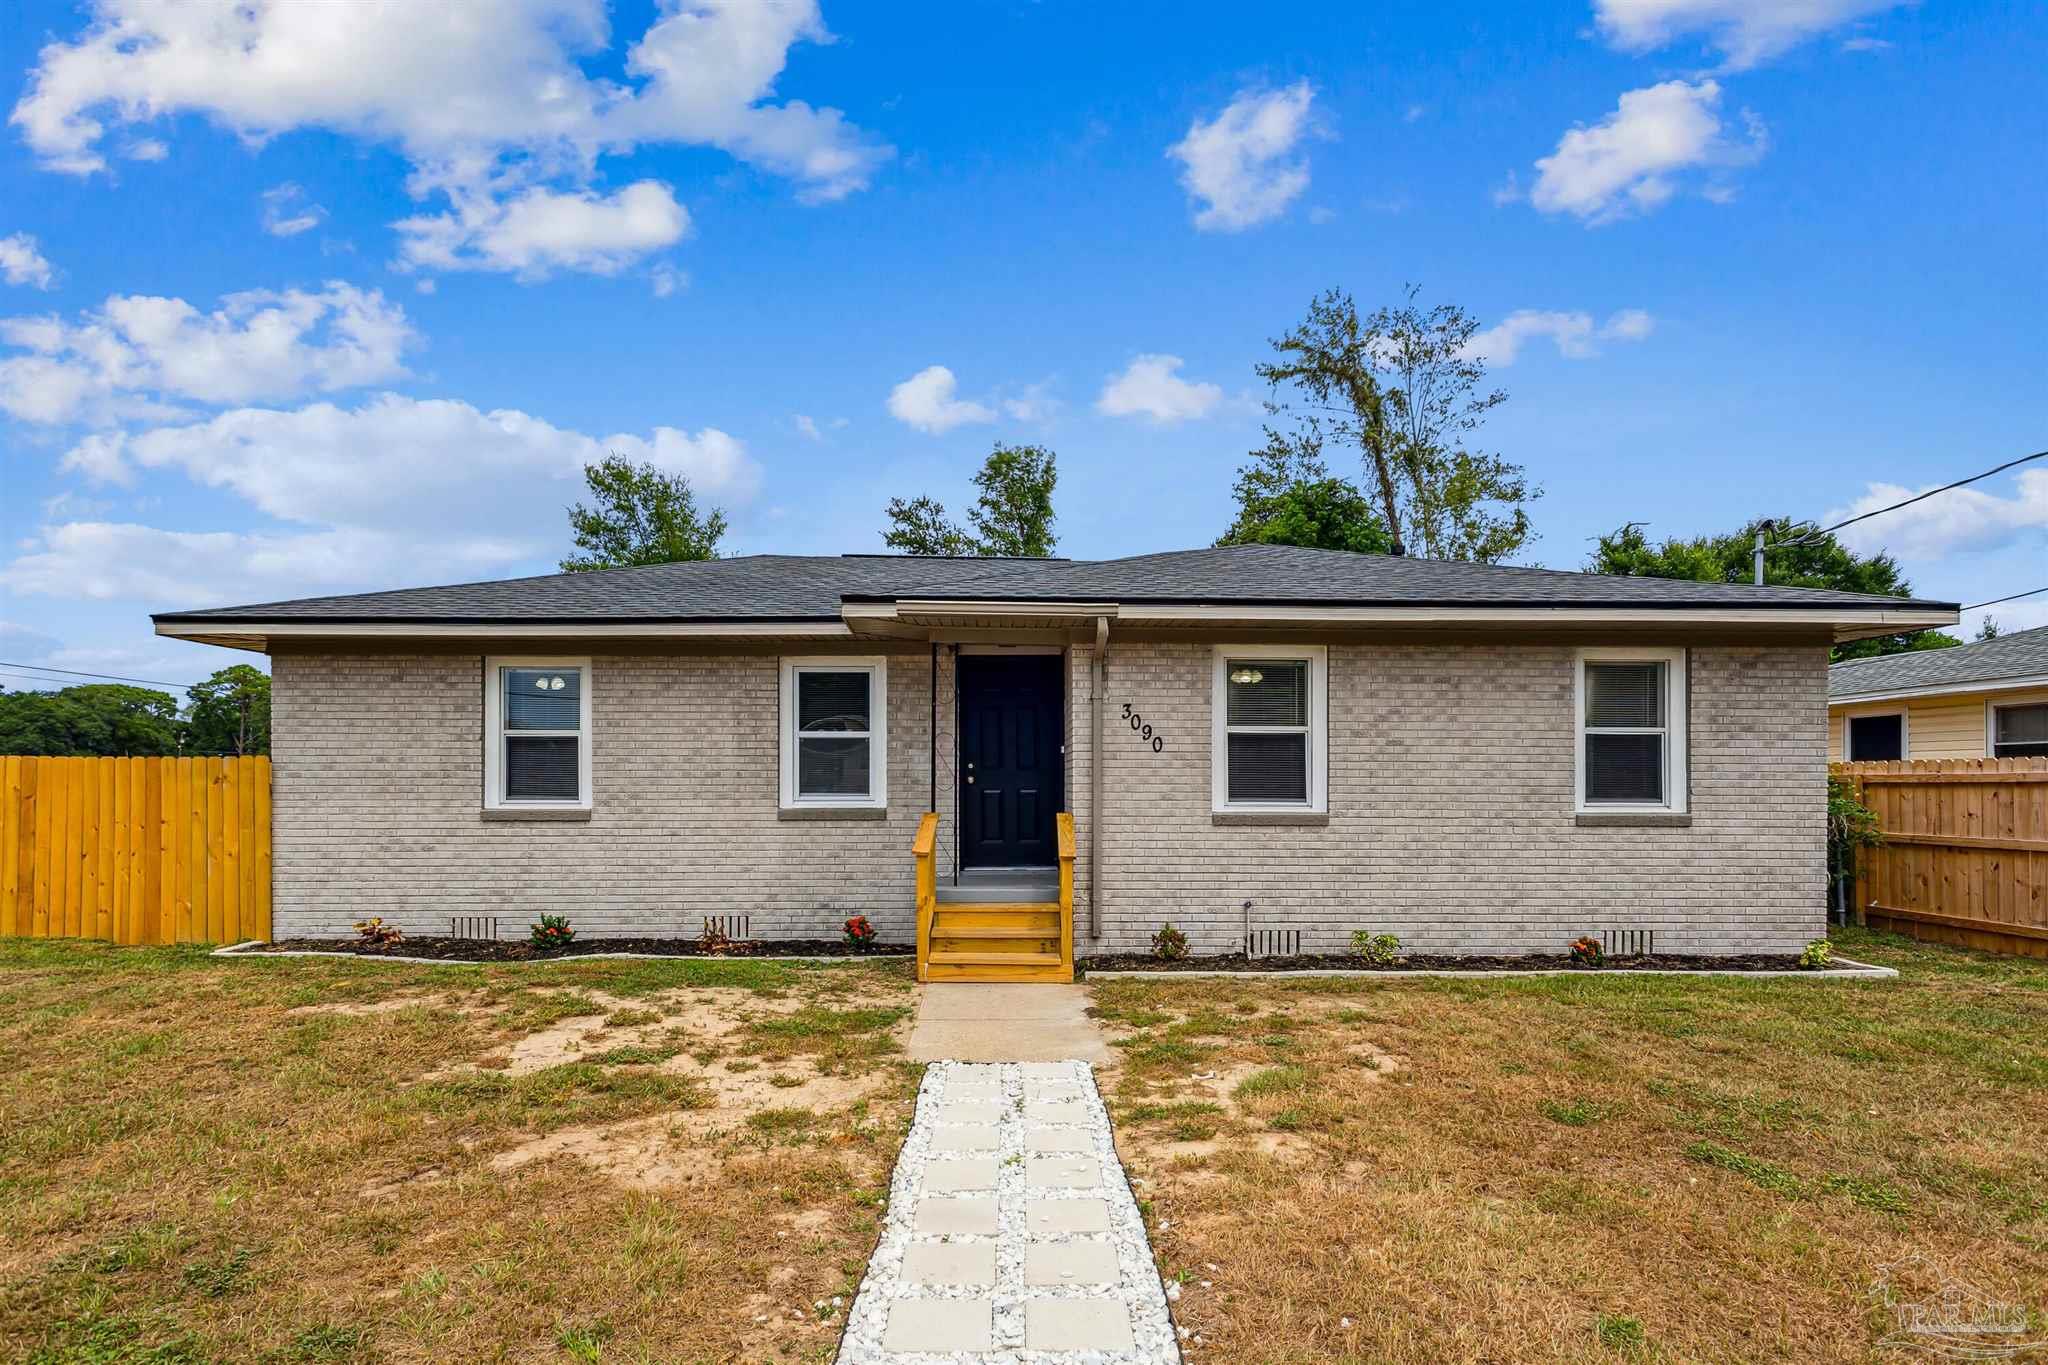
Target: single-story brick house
(1475, 758)
(1985, 700)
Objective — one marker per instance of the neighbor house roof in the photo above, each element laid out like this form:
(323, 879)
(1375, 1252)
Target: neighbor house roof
(765, 591)
(2015, 660)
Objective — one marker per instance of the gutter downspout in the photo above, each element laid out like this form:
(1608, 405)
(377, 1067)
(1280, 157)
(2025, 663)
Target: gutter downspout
(1095, 761)
(935, 729)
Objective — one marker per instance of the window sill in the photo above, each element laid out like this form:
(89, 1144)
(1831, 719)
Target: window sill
(1593, 819)
(536, 815)
(832, 813)
(1315, 819)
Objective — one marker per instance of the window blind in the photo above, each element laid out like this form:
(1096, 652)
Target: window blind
(541, 768)
(826, 702)
(1268, 767)
(2022, 732)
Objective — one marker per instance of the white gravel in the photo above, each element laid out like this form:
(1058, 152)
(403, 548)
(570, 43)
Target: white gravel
(1120, 1323)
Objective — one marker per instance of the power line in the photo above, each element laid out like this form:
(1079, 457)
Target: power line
(1812, 536)
(104, 677)
(2035, 592)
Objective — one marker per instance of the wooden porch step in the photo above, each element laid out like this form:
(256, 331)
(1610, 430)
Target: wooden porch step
(966, 959)
(944, 929)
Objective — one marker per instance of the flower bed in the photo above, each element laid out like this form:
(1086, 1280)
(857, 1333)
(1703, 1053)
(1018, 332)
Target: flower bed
(479, 950)
(1421, 962)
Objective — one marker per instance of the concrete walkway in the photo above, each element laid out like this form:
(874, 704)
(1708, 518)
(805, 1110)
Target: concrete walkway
(1011, 1234)
(1004, 1022)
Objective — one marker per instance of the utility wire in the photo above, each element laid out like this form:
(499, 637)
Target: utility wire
(104, 677)
(2035, 592)
(1812, 536)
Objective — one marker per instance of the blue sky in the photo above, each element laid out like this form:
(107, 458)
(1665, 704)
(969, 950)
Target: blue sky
(322, 298)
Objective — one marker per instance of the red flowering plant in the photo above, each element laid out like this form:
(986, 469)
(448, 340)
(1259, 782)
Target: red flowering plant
(1586, 952)
(553, 931)
(860, 935)
(375, 933)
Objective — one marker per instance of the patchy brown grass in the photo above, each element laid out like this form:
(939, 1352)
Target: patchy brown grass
(1583, 1167)
(304, 1160)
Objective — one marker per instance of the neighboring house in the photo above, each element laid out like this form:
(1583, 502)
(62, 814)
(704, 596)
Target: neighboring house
(1986, 700)
(1478, 759)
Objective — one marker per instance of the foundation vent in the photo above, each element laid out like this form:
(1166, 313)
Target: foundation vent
(1272, 943)
(734, 927)
(482, 927)
(1628, 942)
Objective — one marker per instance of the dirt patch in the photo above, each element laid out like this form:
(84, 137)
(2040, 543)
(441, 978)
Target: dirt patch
(353, 1009)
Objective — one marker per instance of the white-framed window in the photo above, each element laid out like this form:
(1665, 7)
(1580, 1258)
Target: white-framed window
(1270, 736)
(2019, 731)
(536, 733)
(835, 732)
(1878, 737)
(1631, 719)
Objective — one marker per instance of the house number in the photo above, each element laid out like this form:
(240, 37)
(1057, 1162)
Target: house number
(1144, 730)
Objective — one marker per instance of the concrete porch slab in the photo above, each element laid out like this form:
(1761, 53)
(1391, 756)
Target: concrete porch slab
(1005, 1022)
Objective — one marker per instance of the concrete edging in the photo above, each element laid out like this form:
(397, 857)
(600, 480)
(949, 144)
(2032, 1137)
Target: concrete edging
(1851, 971)
(243, 950)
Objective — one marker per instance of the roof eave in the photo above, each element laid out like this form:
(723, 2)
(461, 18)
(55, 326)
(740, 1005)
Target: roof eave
(2023, 683)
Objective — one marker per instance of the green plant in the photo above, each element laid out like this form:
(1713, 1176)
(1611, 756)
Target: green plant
(1619, 1332)
(1851, 826)
(552, 931)
(860, 935)
(1585, 951)
(1816, 955)
(1378, 949)
(1169, 944)
(375, 933)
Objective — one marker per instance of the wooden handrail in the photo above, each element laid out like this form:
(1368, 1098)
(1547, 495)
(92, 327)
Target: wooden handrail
(1063, 824)
(923, 849)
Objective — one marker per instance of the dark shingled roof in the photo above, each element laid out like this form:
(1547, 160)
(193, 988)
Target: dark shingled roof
(2022, 654)
(811, 588)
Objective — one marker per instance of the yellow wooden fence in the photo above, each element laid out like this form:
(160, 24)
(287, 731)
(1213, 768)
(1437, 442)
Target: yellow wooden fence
(135, 850)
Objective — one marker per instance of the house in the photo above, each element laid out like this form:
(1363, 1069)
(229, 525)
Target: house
(1985, 700)
(1475, 758)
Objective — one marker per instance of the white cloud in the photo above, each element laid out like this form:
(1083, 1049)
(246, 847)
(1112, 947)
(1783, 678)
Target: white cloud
(146, 149)
(1240, 166)
(1746, 32)
(136, 351)
(22, 262)
(807, 426)
(925, 401)
(1960, 520)
(1575, 334)
(538, 231)
(486, 101)
(665, 280)
(1150, 387)
(398, 488)
(1630, 161)
(287, 211)
(1865, 43)
(1033, 403)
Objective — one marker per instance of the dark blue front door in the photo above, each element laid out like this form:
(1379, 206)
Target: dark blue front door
(1010, 762)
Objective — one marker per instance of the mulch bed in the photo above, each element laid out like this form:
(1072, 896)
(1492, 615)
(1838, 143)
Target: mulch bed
(1415, 962)
(478, 950)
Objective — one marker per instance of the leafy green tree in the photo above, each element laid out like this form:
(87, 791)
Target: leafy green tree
(1404, 387)
(95, 719)
(1822, 562)
(1989, 630)
(639, 514)
(1287, 496)
(229, 713)
(1012, 516)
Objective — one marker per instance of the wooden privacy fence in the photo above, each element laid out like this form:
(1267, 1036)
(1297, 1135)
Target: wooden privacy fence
(1965, 852)
(135, 850)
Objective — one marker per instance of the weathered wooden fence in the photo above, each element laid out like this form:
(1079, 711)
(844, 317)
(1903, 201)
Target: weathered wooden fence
(135, 850)
(1965, 852)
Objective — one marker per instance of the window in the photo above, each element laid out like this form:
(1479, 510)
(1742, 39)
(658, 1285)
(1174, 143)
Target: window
(835, 732)
(537, 734)
(1877, 739)
(2019, 731)
(1631, 707)
(1270, 734)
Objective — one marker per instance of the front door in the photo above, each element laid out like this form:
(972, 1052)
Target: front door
(1010, 765)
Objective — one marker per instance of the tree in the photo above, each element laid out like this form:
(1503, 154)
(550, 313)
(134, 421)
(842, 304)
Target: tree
(1404, 387)
(1822, 562)
(229, 713)
(1988, 630)
(1286, 496)
(95, 719)
(1012, 516)
(640, 514)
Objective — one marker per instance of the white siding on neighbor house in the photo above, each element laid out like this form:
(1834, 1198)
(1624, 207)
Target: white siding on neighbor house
(1949, 726)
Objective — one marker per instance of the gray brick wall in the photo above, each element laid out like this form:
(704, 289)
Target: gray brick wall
(379, 774)
(1451, 808)
(1450, 824)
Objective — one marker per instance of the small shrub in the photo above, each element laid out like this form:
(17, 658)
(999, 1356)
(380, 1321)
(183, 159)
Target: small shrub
(860, 935)
(713, 940)
(1378, 949)
(552, 931)
(1585, 951)
(375, 933)
(1816, 955)
(1169, 944)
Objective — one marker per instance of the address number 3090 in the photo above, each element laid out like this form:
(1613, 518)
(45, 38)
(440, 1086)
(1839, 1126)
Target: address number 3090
(1144, 729)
